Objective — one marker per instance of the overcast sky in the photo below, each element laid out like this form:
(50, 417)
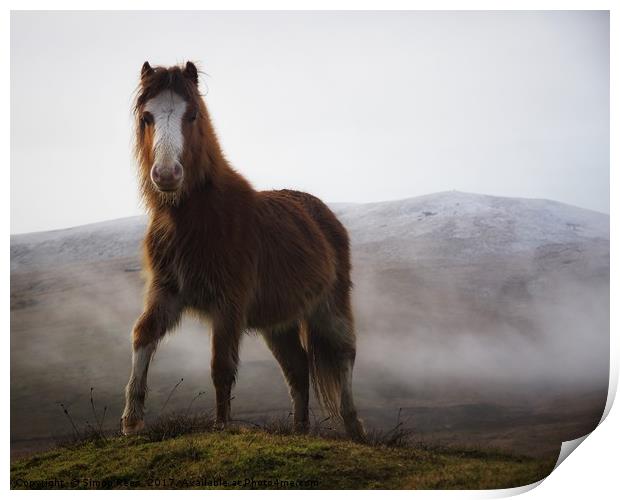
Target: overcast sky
(350, 106)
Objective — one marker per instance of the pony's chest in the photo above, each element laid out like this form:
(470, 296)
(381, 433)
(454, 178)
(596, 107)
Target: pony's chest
(201, 265)
(187, 263)
(194, 269)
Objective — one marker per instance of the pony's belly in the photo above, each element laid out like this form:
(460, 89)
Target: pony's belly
(282, 297)
(282, 305)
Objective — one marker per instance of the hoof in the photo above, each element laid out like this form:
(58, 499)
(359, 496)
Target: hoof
(355, 431)
(220, 426)
(131, 428)
(301, 427)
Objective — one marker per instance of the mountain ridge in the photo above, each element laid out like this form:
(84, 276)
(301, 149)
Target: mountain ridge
(358, 218)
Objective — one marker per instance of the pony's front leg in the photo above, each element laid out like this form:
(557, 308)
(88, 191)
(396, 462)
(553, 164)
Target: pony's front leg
(224, 362)
(162, 312)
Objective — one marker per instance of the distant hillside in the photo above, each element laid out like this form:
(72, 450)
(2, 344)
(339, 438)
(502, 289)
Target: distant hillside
(90, 243)
(469, 309)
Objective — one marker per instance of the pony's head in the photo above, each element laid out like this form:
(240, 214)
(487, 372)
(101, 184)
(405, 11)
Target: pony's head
(173, 132)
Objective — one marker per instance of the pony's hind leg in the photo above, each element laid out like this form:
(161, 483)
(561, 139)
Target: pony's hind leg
(286, 347)
(348, 412)
(161, 313)
(330, 341)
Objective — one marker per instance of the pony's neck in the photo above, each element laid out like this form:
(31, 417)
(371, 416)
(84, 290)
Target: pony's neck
(216, 174)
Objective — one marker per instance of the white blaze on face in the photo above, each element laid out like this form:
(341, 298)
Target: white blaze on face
(167, 109)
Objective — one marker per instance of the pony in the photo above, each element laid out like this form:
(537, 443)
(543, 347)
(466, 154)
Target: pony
(273, 262)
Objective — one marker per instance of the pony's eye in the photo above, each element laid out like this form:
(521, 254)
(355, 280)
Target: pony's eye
(192, 116)
(147, 118)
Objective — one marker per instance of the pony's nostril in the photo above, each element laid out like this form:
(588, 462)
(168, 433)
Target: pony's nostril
(155, 174)
(177, 171)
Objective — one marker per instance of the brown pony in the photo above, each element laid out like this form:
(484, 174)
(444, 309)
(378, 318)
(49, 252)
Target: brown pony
(273, 261)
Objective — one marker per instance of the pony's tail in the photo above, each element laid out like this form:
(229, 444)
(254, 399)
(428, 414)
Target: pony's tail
(328, 352)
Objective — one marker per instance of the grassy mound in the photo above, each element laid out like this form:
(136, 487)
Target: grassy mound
(252, 458)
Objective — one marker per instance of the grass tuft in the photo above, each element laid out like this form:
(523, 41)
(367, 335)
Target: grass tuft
(173, 425)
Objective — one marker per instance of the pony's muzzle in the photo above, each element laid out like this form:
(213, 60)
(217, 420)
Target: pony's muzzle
(167, 177)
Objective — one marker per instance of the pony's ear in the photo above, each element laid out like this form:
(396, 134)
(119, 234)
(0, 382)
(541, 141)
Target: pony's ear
(191, 72)
(146, 70)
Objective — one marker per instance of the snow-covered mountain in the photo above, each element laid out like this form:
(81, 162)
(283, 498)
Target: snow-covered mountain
(93, 242)
(472, 224)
